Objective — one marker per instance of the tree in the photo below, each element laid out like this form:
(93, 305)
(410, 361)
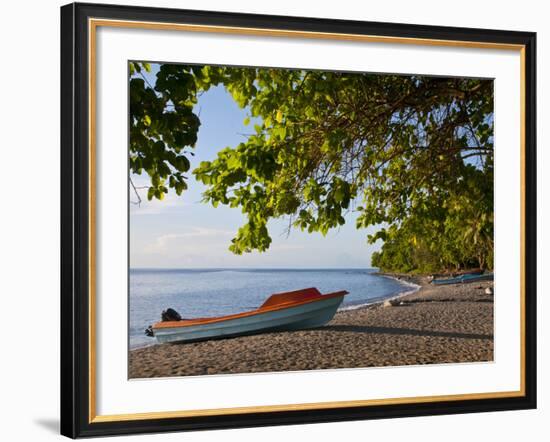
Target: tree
(162, 126)
(411, 153)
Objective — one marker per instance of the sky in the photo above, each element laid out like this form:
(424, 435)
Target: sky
(183, 232)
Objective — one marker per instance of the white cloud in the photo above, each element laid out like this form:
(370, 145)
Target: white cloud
(285, 247)
(194, 239)
(170, 202)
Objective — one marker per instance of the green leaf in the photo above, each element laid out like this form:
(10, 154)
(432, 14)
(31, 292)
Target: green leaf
(401, 146)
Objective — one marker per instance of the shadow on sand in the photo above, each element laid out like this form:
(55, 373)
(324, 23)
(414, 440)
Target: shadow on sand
(401, 331)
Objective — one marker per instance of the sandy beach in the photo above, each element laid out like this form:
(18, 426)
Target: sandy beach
(437, 324)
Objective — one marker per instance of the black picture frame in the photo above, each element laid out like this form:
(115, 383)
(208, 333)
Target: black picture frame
(75, 220)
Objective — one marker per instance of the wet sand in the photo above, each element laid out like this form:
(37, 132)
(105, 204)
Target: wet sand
(437, 324)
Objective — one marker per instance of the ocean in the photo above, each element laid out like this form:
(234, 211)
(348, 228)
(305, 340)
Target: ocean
(214, 292)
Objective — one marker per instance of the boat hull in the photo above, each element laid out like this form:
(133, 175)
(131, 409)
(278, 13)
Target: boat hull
(299, 317)
(464, 278)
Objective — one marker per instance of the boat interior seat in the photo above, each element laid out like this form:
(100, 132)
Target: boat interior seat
(290, 297)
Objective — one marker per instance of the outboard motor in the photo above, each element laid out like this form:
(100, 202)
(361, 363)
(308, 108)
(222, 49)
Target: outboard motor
(170, 315)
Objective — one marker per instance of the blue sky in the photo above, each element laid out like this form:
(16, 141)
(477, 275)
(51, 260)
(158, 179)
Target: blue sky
(183, 232)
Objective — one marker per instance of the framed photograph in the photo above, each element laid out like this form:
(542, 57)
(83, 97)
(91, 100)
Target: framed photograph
(274, 220)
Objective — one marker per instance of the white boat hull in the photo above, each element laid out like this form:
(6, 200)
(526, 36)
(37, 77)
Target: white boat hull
(299, 317)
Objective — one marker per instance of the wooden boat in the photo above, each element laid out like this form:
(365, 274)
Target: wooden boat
(467, 277)
(296, 310)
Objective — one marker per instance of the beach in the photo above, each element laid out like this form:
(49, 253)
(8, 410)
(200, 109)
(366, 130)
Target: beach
(434, 325)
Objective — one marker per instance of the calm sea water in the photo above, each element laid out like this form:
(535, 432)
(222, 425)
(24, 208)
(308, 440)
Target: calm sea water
(215, 292)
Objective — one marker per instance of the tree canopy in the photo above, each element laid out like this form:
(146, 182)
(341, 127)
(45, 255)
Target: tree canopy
(411, 154)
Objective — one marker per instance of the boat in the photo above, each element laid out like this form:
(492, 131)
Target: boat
(467, 277)
(295, 310)
(457, 273)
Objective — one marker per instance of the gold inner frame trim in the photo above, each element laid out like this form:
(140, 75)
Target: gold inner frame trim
(523, 191)
(93, 24)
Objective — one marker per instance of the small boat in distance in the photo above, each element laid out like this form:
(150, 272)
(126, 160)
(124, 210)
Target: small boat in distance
(466, 277)
(454, 274)
(296, 310)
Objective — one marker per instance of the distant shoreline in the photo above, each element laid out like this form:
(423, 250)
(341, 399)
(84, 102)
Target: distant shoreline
(413, 288)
